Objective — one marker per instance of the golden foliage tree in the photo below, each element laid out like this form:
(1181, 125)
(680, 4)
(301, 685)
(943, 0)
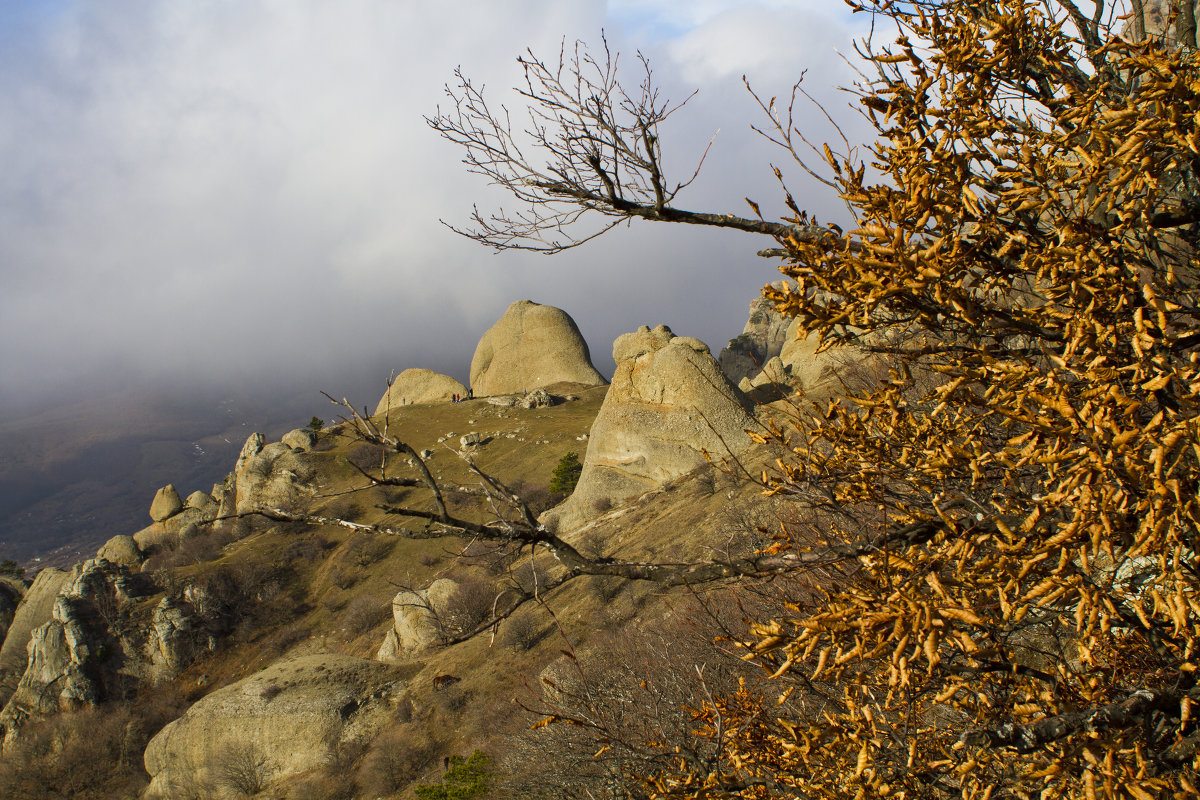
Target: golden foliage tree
(1015, 508)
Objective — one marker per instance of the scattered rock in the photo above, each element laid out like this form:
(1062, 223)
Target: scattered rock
(419, 386)
(669, 402)
(470, 440)
(166, 503)
(529, 347)
(538, 398)
(504, 401)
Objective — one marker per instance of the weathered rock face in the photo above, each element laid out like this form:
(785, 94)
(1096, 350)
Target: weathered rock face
(289, 718)
(77, 658)
(419, 386)
(529, 347)
(36, 608)
(166, 503)
(415, 627)
(270, 475)
(762, 339)
(12, 590)
(669, 402)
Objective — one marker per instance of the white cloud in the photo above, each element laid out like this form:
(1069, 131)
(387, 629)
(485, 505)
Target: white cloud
(207, 188)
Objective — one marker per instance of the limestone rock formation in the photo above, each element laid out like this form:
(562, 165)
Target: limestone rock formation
(180, 630)
(763, 338)
(200, 509)
(300, 439)
(200, 501)
(531, 346)
(121, 549)
(35, 609)
(419, 386)
(415, 621)
(270, 475)
(166, 503)
(538, 398)
(291, 717)
(76, 658)
(12, 590)
(669, 402)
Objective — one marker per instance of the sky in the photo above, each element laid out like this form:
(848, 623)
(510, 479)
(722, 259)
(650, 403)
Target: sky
(242, 192)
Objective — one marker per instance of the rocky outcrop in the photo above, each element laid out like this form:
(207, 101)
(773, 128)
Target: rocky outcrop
(300, 439)
(35, 609)
(199, 510)
(415, 617)
(668, 403)
(419, 386)
(538, 398)
(762, 339)
(181, 629)
(77, 657)
(166, 503)
(531, 346)
(289, 718)
(121, 549)
(271, 476)
(201, 501)
(12, 590)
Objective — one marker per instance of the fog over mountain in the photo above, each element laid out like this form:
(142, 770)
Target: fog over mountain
(243, 199)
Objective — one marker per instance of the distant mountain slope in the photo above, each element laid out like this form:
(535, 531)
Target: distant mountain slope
(76, 473)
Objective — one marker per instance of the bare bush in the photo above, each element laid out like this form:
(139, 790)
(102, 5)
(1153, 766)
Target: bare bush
(344, 577)
(367, 456)
(244, 769)
(308, 548)
(395, 759)
(520, 632)
(365, 613)
(627, 709)
(468, 606)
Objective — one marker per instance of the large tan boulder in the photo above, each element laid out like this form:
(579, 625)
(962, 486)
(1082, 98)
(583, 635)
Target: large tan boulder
(531, 346)
(669, 403)
(415, 626)
(292, 717)
(121, 549)
(166, 503)
(419, 386)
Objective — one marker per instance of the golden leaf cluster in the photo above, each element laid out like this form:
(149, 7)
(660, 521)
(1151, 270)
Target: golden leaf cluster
(1022, 616)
